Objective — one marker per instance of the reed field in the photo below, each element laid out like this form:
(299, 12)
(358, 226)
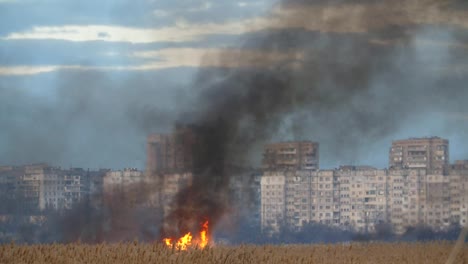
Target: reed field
(435, 252)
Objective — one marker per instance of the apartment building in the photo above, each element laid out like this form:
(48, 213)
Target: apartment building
(430, 153)
(75, 187)
(58, 189)
(9, 177)
(117, 180)
(170, 153)
(322, 196)
(38, 187)
(362, 197)
(294, 155)
(297, 198)
(272, 199)
(53, 191)
(244, 194)
(406, 198)
(95, 186)
(172, 184)
(438, 214)
(31, 188)
(458, 188)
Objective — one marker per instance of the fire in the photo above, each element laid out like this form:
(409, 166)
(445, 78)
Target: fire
(203, 235)
(187, 241)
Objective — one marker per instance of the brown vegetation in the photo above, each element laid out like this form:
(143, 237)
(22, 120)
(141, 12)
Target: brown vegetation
(436, 252)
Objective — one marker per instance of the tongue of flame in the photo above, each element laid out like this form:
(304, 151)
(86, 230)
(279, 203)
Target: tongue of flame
(185, 242)
(203, 235)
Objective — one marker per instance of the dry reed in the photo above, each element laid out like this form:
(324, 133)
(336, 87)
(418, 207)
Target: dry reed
(435, 252)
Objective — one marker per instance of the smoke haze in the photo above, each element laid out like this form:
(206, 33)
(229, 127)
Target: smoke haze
(350, 89)
(366, 71)
(352, 75)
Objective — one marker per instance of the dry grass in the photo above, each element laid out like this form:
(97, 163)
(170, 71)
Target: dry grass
(381, 253)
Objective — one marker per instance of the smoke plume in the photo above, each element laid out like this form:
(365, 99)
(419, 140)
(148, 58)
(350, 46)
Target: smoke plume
(352, 75)
(355, 72)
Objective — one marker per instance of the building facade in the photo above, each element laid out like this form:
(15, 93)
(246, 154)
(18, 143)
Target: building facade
(170, 153)
(38, 187)
(431, 153)
(272, 199)
(363, 198)
(458, 189)
(116, 180)
(294, 155)
(172, 184)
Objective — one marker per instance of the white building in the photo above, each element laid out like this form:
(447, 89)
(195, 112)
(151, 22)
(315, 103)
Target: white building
(272, 200)
(361, 198)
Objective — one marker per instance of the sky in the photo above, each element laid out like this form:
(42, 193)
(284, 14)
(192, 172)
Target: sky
(82, 83)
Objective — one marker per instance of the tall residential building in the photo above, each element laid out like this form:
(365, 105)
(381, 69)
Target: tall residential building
(322, 197)
(33, 186)
(297, 197)
(362, 198)
(170, 153)
(119, 179)
(37, 187)
(437, 213)
(244, 194)
(294, 155)
(431, 153)
(406, 198)
(272, 200)
(95, 187)
(351, 198)
(171, 185)
(41, 186)
(9, 179)
(59, 189)
(458, 174)
(127, 184)
(75, 186)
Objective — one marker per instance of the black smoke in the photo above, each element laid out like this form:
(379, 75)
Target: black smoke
(356, 82)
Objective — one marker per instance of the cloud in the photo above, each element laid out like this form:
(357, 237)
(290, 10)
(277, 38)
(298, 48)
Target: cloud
(103, 35)
(225, 57)
(27, 70)
(31, 70)
(181, 32)
(161, 13)
(359, 17)
(339, 18)
(178, 57)
(203, 7)
(250, 3)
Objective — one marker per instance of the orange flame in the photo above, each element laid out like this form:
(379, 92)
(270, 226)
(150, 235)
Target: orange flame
(185, 242)
(204, 235)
